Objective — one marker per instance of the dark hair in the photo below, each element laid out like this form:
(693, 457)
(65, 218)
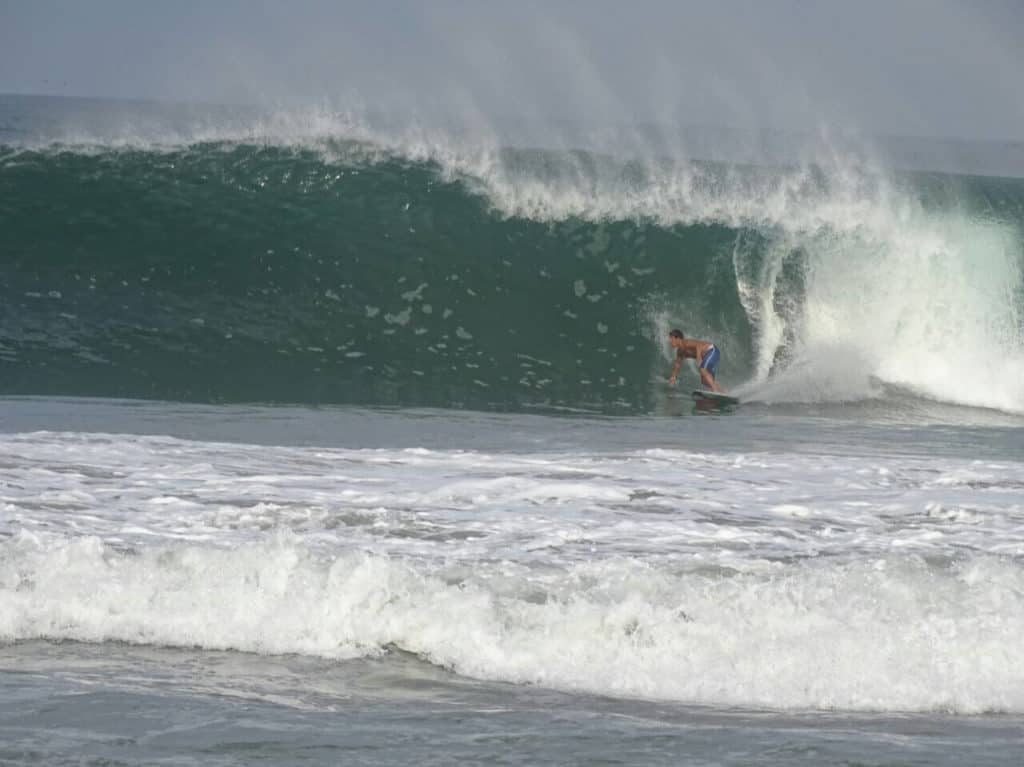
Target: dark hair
(676, 334)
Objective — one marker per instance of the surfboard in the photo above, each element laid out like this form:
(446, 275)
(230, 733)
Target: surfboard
(715, 398)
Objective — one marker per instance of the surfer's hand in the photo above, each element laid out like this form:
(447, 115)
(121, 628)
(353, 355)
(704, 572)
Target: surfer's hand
(672, 381)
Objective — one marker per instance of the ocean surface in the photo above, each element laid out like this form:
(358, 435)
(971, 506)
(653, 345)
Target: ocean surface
(326, 439)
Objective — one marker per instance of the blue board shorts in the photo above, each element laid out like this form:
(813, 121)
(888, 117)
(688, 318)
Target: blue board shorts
(709, 361)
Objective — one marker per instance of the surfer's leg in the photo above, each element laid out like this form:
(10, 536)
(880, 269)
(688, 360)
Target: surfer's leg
(709, 381)
(708, 368)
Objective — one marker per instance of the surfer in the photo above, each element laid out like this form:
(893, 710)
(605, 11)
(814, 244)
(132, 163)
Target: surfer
(704, 353)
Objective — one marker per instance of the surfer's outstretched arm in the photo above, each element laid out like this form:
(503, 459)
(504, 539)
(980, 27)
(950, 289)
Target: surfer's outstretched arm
(676, 366)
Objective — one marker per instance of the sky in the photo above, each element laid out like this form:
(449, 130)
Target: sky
(943, 68)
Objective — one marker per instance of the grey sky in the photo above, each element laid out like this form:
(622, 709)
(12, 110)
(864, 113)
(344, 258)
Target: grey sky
(913, 67)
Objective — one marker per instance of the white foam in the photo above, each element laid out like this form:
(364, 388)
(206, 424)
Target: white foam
(872, 635)
(81, 484)
(779, 580)
(927, 303)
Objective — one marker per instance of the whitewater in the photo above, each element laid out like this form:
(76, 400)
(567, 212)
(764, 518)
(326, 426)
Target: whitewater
(323, 439)
(637, 572)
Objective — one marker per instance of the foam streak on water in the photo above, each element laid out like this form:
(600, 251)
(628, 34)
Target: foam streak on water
(770, 579)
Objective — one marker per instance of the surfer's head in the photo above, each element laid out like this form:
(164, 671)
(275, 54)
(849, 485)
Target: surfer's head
(675, 337)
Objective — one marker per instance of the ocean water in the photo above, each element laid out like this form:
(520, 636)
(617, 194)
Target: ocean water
(328, 442)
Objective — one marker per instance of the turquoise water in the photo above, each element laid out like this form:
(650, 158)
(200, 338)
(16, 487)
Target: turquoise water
(339, 264)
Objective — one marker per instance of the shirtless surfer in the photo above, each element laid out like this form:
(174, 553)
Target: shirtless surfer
(705, 353)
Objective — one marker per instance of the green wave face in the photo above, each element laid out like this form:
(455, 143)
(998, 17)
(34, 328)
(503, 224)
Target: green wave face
(242, 273)
(346, 273)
